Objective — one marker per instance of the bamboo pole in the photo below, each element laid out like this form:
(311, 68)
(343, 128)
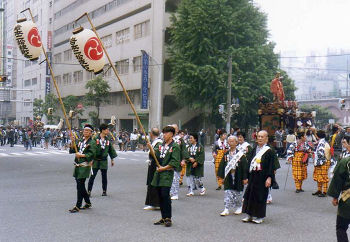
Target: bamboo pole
(56, 87)
(124, 90)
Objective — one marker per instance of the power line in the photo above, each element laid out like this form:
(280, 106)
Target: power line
(313, 68)
(313, 56)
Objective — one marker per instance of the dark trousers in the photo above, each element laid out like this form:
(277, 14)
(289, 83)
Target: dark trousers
(164, 201)
(104, 179)
(152, 198)
(342, 226)
(81, 192)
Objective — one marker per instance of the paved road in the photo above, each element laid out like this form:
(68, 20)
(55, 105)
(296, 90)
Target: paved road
(37, 189)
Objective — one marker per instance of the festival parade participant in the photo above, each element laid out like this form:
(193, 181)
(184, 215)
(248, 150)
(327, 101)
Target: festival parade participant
(175, 187)
(168, 155)
(322, 163)
(152, 199)
(340, 186)
(219, 150)
(83, 163)
(103, 147)
(298, 154)
(234, 170)
(195, 166)
(260, 179)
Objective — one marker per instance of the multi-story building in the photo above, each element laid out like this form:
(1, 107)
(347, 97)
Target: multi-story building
(126, 27)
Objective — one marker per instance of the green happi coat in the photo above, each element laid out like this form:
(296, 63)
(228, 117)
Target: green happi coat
(241, 173)
(199, 155)
(172, 158)
(101, 155)
(339, 183)
(83, 171)
(183, 151)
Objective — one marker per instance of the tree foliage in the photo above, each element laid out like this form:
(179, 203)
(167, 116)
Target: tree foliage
(323, 115)
(38, 109)
(203, 36)
(97, 95)
(71, 103)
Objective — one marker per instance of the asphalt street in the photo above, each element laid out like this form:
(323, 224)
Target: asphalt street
(37, 189)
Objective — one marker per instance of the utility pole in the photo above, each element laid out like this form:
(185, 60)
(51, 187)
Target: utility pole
(228, 99)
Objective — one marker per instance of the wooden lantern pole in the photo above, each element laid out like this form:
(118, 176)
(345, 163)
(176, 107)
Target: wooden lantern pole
(124, 90)
(56, 87)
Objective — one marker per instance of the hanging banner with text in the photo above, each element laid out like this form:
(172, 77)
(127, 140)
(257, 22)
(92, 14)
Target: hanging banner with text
(47, 86)
(144, 86)
(49, 56)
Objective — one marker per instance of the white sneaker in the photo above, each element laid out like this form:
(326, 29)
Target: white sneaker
(238, 211)
(257, 220)
(203, 191)
(176, 197)
(156, 208)
(189, 194)
(247, 219)
(225, 212)
(149, 208)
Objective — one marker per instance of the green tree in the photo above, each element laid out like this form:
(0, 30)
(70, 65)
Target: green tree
(203, 35)
(323, 115)
(71, 103)
(38, 107)
(97, 95)
(51, 101)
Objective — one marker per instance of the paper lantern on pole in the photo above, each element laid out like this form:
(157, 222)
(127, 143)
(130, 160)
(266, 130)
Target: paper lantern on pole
(88, 50)
(28, 39)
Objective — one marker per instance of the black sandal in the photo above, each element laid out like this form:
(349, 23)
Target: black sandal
(74, 210)
(87, 206)
(160, 222)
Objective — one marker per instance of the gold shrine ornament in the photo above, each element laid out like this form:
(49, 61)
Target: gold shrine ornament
(88, 50)
(28, 39)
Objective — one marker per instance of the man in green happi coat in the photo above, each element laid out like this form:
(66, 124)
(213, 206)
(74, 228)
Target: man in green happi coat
(195, 166)
(103, 147)
(82, 162)
(340, 186)
(168, 155)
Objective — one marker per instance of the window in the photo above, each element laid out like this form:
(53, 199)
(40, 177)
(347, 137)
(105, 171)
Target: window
(137, 63)
(89, 75)
(123, 36)
(107, 41)
(67, 55)
(34, 81)
(9, 52)
(26, 102)
(58, 80)
(27, 63)
(78, 76)
(57, 58)
(107, 70)
(141, 30)
(36, 18)
(9, 60)
(67, 79)
(27, 83)
(124, 100)
(123, 66)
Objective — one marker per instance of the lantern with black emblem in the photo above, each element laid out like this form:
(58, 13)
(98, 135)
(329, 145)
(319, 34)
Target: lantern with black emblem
(28, 39)
(88, 50)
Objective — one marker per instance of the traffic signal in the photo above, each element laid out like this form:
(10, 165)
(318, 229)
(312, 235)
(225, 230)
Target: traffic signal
(3, 78)
(341, 103)
(71, 113)
(49, 111)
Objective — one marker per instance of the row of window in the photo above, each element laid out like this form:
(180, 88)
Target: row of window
(67, 56)
(98, 12)
(30, 82)
(68, 78)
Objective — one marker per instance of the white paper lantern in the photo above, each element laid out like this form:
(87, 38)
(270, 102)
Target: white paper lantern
(88, 50)
(28, 39)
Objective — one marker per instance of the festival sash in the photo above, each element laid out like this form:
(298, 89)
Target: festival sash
(233, 163)
(243, 147)
(257, 159)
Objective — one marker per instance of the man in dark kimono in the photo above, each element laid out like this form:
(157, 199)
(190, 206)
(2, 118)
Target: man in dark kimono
(82, 162)
(339, 190)
(168, 155)
(103, 147)
(260, 179)
(152, 199)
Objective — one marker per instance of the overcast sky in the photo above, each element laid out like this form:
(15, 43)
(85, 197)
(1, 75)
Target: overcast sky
(308, 25)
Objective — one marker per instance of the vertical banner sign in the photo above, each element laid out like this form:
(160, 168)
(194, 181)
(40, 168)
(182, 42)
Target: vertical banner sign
(47, 85)
(144, 86)
(49, 56)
